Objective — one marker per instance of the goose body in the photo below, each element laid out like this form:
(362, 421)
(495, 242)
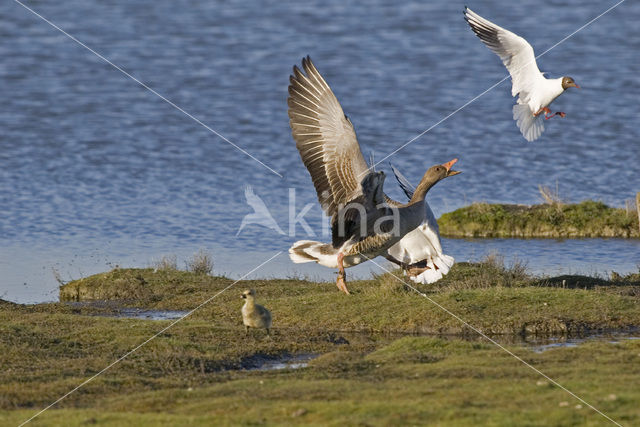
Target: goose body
(535, 92)
(421, 249)
(358, 249)
(365, 222)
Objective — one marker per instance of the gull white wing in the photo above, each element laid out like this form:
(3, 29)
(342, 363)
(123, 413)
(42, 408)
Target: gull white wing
(514, 51)
(518, 57)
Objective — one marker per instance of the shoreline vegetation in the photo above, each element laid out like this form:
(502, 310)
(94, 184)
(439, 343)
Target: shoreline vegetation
(373, 362)
(495, 297)
(553, 219)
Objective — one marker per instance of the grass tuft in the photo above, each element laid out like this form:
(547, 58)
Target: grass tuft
(166, 263)
(201, 263)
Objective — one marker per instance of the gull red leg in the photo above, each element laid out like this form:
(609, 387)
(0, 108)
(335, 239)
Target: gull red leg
(559, 113)
(340, 283)
(542, 110)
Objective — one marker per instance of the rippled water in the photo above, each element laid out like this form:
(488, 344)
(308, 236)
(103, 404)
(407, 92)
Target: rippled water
(95, 170)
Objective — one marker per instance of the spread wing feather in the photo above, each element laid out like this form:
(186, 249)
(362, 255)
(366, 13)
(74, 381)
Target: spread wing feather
(325, 139)
(514, 51)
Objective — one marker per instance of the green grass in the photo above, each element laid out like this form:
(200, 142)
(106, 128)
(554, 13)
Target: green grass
(372, 370)
(585, 219)
(460, 383)
(497, 298)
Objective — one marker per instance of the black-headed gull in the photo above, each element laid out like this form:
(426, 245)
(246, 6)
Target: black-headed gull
(535, 91)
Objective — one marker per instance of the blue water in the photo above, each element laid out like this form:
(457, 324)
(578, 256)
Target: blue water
(96, 171)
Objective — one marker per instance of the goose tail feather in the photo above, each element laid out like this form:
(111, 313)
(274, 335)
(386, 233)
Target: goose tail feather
(311, 251)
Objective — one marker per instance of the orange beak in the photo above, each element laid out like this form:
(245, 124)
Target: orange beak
(448, 166)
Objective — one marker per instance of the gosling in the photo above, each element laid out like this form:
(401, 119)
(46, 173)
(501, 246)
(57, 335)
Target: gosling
(254, 315)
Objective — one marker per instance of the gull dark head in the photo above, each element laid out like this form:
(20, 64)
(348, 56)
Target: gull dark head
(248, 293)
(568, 82)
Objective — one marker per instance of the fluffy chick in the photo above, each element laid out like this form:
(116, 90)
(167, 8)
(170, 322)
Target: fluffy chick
(254, 315)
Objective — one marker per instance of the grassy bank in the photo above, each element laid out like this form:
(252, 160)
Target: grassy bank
(556, 220)
(372, 369)
(499, 299)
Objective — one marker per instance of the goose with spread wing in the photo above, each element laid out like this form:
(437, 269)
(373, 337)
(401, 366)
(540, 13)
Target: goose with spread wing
(535, 91)
(365, 222)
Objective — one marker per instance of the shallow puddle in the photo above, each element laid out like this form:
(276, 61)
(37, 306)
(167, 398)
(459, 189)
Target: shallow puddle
(297, 361)
(109, 309)
(555, 342)
(136, 313)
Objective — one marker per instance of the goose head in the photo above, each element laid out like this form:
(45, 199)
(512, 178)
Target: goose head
(568, 82)
(439, 172)
(432, 176)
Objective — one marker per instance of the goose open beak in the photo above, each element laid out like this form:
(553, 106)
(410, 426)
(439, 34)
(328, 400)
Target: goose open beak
(449, 165)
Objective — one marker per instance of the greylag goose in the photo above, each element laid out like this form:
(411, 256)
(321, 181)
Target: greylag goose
(365, 222)
(535, 91)
(254, 315)
(420, 251)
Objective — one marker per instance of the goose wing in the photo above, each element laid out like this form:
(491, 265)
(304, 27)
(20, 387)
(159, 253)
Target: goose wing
(404, 183)
(514, 51)
(325, 139)
(356, 221)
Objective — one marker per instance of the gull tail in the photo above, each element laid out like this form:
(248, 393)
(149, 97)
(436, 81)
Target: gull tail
(531, 126)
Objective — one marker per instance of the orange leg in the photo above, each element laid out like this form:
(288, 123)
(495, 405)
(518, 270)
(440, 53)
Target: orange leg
(559, 113)
(543, 109)
(340, 283)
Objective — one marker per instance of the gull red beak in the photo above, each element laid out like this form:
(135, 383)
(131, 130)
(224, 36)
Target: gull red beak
(577, 86)
(448, 165)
